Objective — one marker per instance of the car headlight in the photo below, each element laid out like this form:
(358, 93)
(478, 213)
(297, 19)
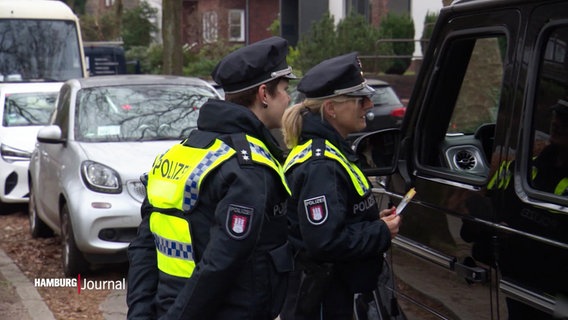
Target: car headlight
(12, 154)
(100, 178)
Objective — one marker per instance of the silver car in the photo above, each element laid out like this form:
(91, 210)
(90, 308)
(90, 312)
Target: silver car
(85, 170)
(24, 109)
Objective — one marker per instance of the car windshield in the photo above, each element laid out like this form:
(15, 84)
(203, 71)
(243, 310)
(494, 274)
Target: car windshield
(385, 96)
(138, 113)
(28, 109)
(38, 50)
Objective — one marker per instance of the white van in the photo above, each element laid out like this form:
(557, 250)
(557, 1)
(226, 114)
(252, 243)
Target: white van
(40, 41)
(40, 48)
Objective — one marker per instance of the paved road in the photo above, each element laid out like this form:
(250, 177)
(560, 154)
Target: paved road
(19, 299)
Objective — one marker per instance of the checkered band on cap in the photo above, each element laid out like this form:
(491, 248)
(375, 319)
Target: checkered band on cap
(191, 191)
(174, 249)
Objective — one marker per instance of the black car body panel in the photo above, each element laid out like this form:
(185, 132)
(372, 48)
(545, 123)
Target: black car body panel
(481, 238)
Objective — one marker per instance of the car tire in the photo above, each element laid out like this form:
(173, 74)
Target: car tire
(74, 262)
(38, 228)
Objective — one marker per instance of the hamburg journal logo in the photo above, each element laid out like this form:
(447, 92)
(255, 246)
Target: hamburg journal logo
(80, 284)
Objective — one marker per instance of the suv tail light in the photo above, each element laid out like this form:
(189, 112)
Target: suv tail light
(398, 112)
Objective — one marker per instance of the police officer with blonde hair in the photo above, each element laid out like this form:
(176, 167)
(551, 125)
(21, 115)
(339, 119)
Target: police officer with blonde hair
(213, 240)
(336, 228)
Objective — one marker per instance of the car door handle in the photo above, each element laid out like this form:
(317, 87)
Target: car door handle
(471, 273)
(474, 274)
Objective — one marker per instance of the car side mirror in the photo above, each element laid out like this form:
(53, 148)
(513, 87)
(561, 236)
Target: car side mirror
(378, 151)
(50, 134)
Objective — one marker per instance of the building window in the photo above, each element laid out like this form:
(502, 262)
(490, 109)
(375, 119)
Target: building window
(236, 25)
(109, 3)
(210, 26)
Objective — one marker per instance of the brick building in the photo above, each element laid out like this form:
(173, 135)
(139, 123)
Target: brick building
(247, 21)
(212, 20)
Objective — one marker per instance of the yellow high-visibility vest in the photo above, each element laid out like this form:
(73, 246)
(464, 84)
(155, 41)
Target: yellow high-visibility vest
(301, 153)
(173, 191)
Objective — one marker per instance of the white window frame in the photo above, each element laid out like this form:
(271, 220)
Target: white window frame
(210, 26)
(240, 26)
(109, 3)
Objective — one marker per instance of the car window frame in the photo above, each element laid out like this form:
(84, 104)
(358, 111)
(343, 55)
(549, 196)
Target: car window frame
(434, 91)
(524, 190)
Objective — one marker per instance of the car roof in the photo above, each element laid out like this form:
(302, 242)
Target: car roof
(135, 79)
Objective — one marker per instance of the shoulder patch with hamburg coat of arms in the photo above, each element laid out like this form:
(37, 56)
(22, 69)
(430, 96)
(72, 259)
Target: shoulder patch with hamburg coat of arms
(239, 221)
(316, 210)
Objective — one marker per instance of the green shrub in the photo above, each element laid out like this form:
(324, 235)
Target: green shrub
(318, 44)
(429, 22)
(137, 26)
(397, 26)
(101, 28)
(201, 64)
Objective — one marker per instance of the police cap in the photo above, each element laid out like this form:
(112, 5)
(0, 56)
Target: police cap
(341, 75)
(253, 65)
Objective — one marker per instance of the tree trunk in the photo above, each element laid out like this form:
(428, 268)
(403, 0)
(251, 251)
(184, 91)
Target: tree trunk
(119, 8)
(171, 34)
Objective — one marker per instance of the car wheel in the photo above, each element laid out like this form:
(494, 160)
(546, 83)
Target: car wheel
(38, 228)
(74, 262)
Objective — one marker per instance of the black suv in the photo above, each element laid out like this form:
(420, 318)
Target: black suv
(484, 142)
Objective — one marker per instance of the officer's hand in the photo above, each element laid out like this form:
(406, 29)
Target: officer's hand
(387, 212)
(393, 223)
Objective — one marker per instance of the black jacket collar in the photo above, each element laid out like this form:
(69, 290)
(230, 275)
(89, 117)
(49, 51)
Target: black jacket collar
(315, 127)
(224, 117)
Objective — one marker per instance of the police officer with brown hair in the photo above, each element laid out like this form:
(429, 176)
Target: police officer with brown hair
(336, 228)
(213, 240)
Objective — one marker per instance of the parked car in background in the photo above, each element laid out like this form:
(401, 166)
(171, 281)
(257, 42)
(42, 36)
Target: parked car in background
(24, 108)
(218, 87)
(85, 171)
(388, 111)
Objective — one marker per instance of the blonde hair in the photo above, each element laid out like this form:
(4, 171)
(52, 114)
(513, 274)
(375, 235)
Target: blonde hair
(292, 120)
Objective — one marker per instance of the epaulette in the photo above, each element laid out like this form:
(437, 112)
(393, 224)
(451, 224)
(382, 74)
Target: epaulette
(241, 145)
(318, 148)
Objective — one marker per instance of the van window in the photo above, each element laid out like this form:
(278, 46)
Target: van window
(457, 132)
(479, 93)
(548, 171)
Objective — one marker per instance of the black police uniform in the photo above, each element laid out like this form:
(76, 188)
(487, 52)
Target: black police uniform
(235, 277)
(339, 253)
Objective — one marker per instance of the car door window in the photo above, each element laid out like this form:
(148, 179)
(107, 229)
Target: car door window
(547, 166)
(457, 133)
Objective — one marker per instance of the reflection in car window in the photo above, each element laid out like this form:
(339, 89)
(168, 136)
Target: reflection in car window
(548, 170)
(385, 96)
(54, 58)
(28, 109)
(138, 113)
(479, 94)
(463, 107)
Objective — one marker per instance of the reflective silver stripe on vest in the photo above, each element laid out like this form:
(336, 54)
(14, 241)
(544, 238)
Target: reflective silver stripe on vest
(173, 248)
(300, 155)
(261, 151)
(361, 183)
(192, 184)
